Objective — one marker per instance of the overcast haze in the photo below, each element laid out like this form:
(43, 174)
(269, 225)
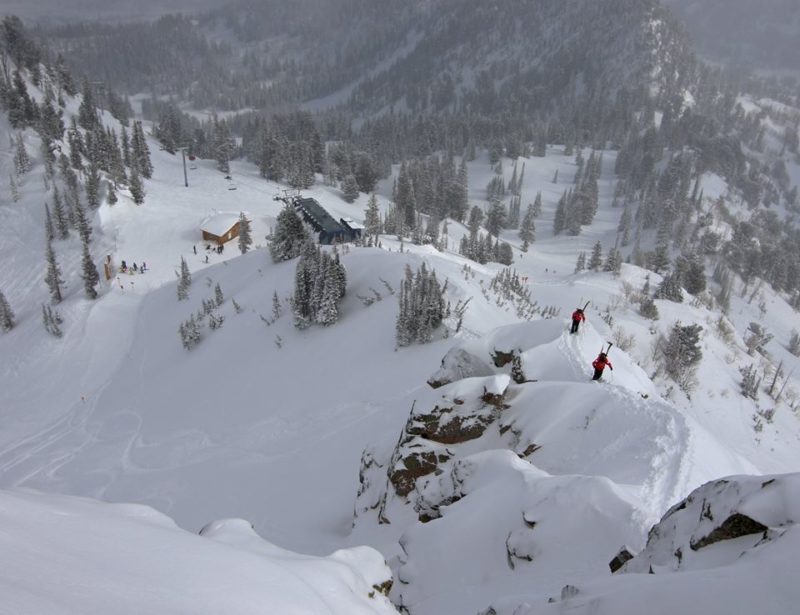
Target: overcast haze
(73, 10)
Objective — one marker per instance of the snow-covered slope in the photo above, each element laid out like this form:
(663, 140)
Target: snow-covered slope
(265, 422)
(63, 554)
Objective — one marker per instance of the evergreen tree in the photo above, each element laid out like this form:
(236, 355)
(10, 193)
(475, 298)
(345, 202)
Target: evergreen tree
(794, 343)
(82, 223)
(613, 261)
(277, 309)
(670, 289)
(22, 162)
(87, 112)
(537, 205)
(289, 236)
(51, 320)
(580, 262)
(49, 231)
(61, 220)
(245, 236)
(422, 307)
(527, 229)
(53, 275)
(111, 194)
(140, 153)
(136, 187)
(681, 354)
(350, 189)
(496, 218)
(372, 218)
(648, 308)
(223, 145)
(6, 314)
(219, 298)
(560, 219)
(13, 188)
(596, 260)
(184, 281)
(93, 186)
(694, 278)
(89, 273)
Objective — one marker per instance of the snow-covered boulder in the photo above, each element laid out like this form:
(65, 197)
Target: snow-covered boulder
(719, 522)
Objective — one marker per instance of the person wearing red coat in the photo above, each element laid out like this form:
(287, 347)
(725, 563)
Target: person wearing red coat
(600, 364)
(577, 318)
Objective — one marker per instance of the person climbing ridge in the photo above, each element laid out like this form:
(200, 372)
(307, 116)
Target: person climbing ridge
(600, 364)
(577, 317)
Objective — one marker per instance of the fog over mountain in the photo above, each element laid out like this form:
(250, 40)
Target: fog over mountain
(59, 11)
(743, 33)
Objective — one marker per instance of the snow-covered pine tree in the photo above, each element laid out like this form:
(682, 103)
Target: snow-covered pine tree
(372, 218)
(51, 320)
(184, 281)
(89, 273)
(53, 275)
(6, 314)
(289, 236)
(136, 187)
(537, 205)
(111, 195)
(681, 354)
(350, 188)
(82, 223)
(140, 154)
(496, 217)
(580, 263)
(13, 188)
(670, 289)
(560, 219)
(245, 236)
(648, 308)
(223, 146)
(277, 309)
(22, 162)
(750, 382)
(87, 112)
(49, 231)
(219, 298)
(61, 220)
(794, 343)
(613, 261)
(93, 186)
(504, 254)
(596, 260)
(527, 229)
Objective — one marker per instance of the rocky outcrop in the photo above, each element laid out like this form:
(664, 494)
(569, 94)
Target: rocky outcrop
(743, 511)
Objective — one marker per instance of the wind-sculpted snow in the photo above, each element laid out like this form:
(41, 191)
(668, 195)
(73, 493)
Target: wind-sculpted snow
(534, 472)
(62, 555)
(729, 547)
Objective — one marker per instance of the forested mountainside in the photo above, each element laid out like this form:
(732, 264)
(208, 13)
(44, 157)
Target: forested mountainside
(744, 34)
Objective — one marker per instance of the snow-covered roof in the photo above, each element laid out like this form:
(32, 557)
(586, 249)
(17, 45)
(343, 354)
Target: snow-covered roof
(219, 224)
(352, 224)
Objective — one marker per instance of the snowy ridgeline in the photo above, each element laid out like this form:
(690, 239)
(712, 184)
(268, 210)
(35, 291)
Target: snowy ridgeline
(62, 554)
(512, 487)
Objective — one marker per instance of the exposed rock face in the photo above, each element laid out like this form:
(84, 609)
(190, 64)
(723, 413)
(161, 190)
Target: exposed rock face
(461, 413)
(735, 526)
(750, 510)
(622, 556)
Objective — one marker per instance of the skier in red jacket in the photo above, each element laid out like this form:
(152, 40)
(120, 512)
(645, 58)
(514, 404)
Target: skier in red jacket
(600, 364)
(577, 318)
